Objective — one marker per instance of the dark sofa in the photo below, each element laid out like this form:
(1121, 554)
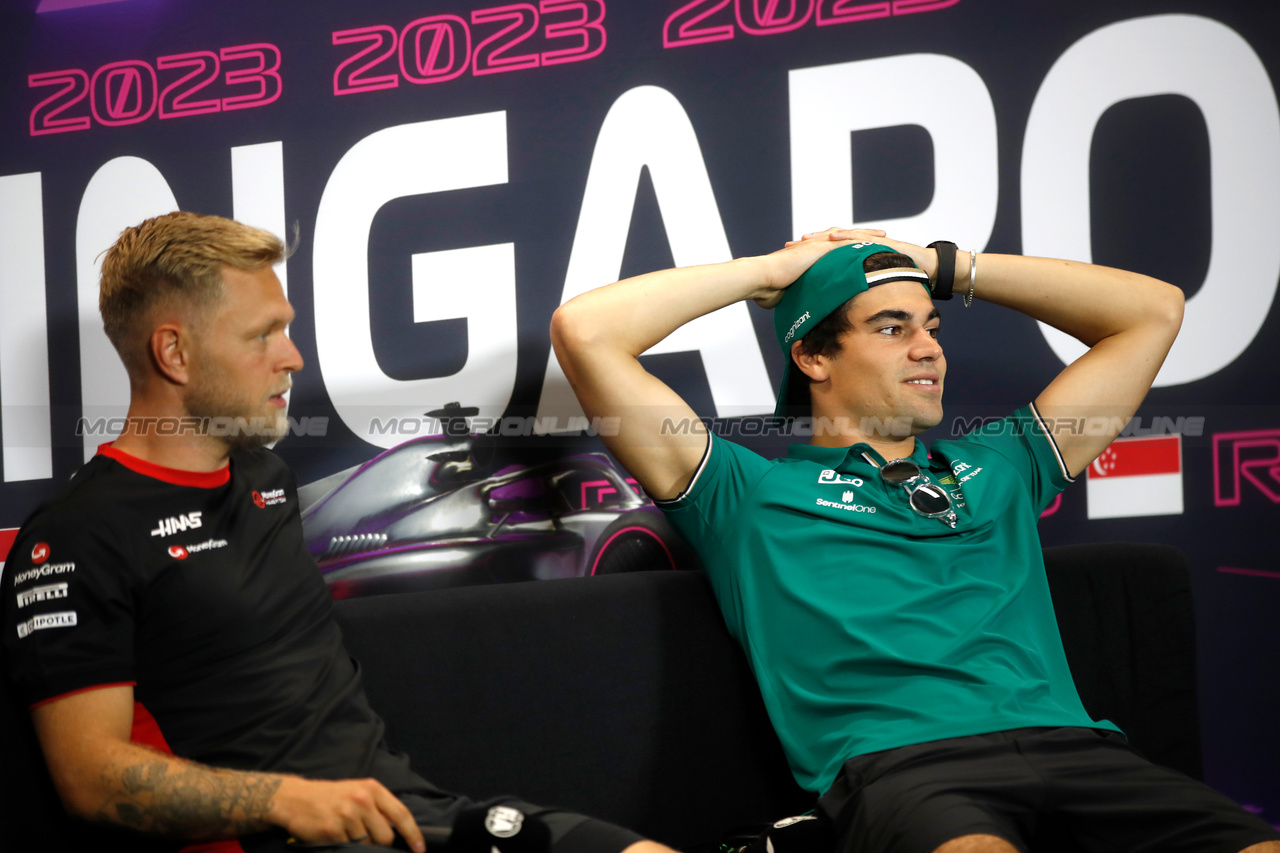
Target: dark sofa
(625, 698)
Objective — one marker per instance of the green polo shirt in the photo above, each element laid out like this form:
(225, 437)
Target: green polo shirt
(870, 627)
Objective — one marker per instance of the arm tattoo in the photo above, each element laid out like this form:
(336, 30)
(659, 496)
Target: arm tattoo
(182, 798)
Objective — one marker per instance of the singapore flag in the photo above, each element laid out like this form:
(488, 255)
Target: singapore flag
(1137, 476)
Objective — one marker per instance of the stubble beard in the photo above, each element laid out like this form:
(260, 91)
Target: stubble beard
(227, 416)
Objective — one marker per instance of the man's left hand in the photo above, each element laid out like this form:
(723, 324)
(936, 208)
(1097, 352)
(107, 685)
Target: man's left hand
(926, 259)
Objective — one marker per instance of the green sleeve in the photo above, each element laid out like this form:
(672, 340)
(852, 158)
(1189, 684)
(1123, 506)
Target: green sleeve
(1023, 441)
(717, 493)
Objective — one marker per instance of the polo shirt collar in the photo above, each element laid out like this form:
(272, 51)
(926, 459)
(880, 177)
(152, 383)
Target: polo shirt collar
(845, 458)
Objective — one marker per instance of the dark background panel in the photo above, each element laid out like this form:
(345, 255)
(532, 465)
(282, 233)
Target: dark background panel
(1150, 211)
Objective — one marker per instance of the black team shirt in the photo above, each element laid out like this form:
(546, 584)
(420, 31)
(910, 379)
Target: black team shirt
(198, 590)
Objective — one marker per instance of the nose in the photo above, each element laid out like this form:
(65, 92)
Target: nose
(291, 360)
(925, 347)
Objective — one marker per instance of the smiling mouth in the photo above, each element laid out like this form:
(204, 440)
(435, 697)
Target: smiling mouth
(922, 382)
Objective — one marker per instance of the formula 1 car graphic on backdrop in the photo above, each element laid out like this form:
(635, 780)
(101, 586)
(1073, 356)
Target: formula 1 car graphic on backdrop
(443, 511)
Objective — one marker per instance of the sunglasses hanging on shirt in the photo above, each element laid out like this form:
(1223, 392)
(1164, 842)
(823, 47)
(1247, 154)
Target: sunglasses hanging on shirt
(927, 499)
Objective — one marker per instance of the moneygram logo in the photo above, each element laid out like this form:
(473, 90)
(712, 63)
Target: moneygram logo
(180, 552)
(43, 572)
(265, 499)
(40, 553)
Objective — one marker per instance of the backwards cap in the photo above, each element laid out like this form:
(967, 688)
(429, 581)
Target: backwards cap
(833, 280)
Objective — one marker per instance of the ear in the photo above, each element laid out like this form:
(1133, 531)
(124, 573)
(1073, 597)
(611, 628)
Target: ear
(812, 366)
(170, 352)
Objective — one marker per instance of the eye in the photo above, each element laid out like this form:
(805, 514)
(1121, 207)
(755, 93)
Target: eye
(889, 330)
(933, 333)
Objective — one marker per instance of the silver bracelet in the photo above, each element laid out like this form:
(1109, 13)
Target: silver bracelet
(973, 276)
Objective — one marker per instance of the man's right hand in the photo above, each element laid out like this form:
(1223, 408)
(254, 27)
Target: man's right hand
(102, 775)
(787, 264)
(346, 810)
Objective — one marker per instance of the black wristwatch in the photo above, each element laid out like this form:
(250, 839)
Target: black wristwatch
(946, 277)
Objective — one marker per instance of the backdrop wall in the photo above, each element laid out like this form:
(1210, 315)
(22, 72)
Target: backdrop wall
(456, 170)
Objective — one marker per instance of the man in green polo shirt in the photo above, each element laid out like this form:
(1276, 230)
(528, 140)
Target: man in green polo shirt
(892, 601)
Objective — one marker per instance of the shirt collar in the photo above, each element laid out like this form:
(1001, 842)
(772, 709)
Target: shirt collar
(838, 457)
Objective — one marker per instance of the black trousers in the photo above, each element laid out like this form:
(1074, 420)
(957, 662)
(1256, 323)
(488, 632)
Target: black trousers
(1039, 789)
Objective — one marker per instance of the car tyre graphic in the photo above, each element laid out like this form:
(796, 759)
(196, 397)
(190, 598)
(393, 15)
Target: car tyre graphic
(633, 543)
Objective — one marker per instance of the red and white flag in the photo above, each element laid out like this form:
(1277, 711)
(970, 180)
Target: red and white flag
(1137, 476)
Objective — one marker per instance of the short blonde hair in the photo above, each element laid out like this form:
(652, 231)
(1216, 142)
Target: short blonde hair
(178, 258)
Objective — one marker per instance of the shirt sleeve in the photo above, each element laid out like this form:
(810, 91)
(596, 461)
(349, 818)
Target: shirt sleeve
(68, 610)
(716, 494)
(1022, 440)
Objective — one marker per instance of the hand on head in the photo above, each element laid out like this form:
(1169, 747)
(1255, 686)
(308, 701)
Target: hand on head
(925, 258)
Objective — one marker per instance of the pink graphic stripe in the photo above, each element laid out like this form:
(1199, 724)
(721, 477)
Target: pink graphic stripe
(1255, 572)
(907, 7)
(59, 5)
(656, 538)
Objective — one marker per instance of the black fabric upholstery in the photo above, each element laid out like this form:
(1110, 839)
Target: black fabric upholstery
(624, 697)
(1125, 614)
(621, 697)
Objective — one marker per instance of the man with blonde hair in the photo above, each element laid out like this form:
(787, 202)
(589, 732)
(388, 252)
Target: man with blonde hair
(162, 616)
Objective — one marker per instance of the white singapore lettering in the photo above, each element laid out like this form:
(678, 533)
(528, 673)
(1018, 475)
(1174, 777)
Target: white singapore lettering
(43, 572)
(48, 592)
(849, 507)
(64, 619)
(178, 523)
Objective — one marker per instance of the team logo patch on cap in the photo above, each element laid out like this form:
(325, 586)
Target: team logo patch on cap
(40, 553)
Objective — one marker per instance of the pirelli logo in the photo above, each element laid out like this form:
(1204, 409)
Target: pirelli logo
(64, 619)
(47, 592)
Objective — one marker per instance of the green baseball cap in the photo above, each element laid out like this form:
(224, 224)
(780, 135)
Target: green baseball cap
(833, 280)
